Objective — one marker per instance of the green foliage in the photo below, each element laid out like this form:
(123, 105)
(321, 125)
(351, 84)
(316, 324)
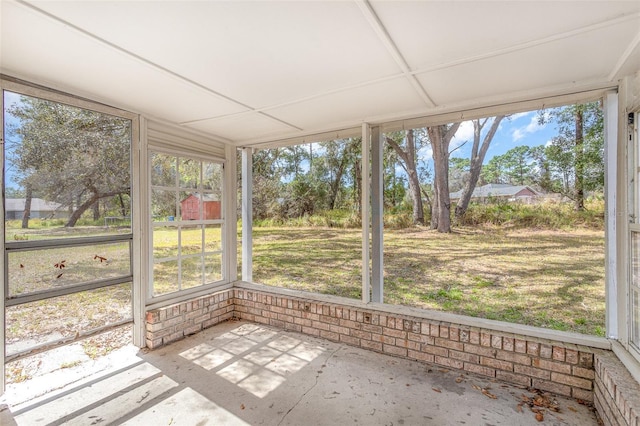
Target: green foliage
(546, 215)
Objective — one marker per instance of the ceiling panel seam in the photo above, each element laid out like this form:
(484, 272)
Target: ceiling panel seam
(528, 44)
(382, 33)
(302, 99)
(626, 55)
(134, 55)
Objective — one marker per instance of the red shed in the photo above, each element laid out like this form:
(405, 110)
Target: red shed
(190, 207)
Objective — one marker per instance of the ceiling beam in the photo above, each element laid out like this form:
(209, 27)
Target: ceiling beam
(389, 44)
(625, 56)
(529, 44)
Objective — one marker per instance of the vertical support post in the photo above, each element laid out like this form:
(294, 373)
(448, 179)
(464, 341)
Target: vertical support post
(366, 211)
(610, 197)
(3, 264)
(230, 200)
(377, 217)
(140, 226)
(247, 214)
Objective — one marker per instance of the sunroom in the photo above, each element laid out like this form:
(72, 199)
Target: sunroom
(181, 95)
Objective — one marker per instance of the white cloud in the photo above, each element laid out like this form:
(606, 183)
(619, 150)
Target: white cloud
(464, 133)
(533, 126)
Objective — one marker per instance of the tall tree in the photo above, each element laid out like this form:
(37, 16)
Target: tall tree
(478, 153)
(404, 144)
(440, 138)
(71, 153)
(576, 154)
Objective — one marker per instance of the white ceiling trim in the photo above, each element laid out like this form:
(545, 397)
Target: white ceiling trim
(625, 56)
(128, 53)
(152, 64)
(436, 116)
(530, 44)
(391, 47)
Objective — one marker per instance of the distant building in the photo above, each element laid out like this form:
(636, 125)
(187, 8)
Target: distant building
(40, 209)
(499, 191)
(190, 207)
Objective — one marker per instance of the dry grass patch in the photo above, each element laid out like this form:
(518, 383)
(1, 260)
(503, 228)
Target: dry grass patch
(544, 278)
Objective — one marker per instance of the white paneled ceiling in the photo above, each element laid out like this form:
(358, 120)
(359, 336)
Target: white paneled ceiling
(255, 72)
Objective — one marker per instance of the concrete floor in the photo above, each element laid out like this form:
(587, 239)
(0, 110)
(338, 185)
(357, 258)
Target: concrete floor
(240, 373)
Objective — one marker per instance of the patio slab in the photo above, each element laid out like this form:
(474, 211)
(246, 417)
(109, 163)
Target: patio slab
(240, 373)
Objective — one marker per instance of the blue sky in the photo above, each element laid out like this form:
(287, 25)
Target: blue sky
(515, 130)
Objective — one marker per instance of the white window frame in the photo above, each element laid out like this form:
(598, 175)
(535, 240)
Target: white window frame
(25, 88)
(183, 294)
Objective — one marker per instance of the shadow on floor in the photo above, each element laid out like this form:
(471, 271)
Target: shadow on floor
(240, 373)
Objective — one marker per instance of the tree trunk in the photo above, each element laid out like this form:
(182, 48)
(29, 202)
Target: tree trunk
(440, 137)
(408, 156)
(477, 158)
(96, 210)
(77, 214)
(579, 167)
(27, 206)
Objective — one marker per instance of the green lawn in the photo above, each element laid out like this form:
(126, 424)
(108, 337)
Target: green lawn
(551, 279)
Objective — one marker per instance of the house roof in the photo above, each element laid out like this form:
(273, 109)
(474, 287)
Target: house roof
(37, 204)
(494, 190)
(252, 73)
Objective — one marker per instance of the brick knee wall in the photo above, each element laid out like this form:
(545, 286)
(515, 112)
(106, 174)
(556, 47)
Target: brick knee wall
(617, 394)
(170, 323)
(561, 368)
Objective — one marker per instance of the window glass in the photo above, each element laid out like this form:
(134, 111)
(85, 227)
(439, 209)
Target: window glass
(187, 223)
(67, 170)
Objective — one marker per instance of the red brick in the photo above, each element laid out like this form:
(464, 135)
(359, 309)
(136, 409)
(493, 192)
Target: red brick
(434, 330)
(338, 329)
(311, 331)
(383, 339)
(354, 341)
(532, 372)
(586, 373)
(446, 343)
(361, 334)
(421, 356)
(494, 363)
(408, 344)
(463, 356)
(293, 327)
(533, 348)
(573, 381)
(435, 350)
(394, 350)
(479, 369)
(454, 333)
(551, 366)
(558, 353)
(448, 362)
(508, 343)
(585, 359)
(546, 351)
(557, 388)
(582, 394)
(474, 337)
(514, 357)
(496, 342)
(444, 331)
(464, 336)
(330, 335)
(394, 333)
(485, 339)
(480, 350)
(571, 356)
(513, 378)
(521, 346)
(376, 346)
(372, 328)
